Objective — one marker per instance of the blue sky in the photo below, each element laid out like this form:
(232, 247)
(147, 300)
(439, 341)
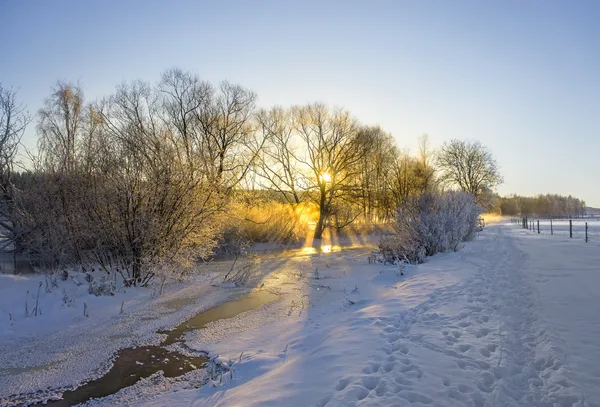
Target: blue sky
(523, 77)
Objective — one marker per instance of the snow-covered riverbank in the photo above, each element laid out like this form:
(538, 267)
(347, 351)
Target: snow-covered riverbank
(507, 321)
(465, 329)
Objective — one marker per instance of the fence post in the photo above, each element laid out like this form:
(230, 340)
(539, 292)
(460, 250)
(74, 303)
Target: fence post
(571, 228)
(538, 225)
(586, 232)
(551, 230)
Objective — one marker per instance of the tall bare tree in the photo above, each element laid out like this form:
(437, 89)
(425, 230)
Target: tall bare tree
(150, 204)
(60, 126)
(13, 122)
(425, 171)
(279, 168)
(332, 154)
(380, 153)
(468, 165)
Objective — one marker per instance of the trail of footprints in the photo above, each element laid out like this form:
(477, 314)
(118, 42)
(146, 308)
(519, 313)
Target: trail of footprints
(466, 337)
(472, 339)
(396, 375)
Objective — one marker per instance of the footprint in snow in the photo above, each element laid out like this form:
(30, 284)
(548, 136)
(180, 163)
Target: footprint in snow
(464, 347)
(342, 384)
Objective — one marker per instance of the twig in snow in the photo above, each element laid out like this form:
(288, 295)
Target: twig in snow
(318, 286)
(231, 269)
(162, 285)
(85, 310)
(241, 354)
(285, 353)
(26, 306)
(37, 301)
(122, 303)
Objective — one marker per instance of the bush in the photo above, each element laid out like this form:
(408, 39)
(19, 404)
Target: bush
(103, 286)
(430, 224)
(263, 220)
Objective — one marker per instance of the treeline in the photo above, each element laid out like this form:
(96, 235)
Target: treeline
(549, 205)
(155, 176)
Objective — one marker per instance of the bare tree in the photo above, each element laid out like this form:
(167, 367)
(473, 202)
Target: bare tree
(216, 127)
(60, 123)
(150, 206)
(332, 154)
(65, 128)
(13, 122)
(278, 168)
(468, 165)
(185, 98)
(380, 154)
(230, 145)
(425, 171)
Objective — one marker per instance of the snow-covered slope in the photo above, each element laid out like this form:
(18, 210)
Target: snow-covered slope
(482, 327)
(511, 320)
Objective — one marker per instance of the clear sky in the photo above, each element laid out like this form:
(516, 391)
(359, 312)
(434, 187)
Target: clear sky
(523, 77)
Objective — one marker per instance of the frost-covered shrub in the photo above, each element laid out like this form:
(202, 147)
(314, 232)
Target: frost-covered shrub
(430, 224)
(243, 274)
(103, 286)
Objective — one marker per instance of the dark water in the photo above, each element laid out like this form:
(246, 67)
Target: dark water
(133, 364)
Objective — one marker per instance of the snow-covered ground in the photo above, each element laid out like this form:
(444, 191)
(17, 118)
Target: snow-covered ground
(560, 227)
(511, 320)
(60, 348)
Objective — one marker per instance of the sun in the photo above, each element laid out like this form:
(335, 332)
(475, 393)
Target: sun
(325, 177)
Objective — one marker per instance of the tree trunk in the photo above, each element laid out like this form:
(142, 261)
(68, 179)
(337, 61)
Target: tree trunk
(322, 214)
(320, 225)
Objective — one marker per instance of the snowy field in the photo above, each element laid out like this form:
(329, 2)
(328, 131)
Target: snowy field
(560, 227)
(511, 320)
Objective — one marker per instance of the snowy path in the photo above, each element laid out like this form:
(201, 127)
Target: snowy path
(476, 343)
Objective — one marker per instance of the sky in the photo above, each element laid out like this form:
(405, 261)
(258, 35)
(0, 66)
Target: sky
(522, 77)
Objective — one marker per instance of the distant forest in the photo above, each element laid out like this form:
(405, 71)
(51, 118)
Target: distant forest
(549, 205)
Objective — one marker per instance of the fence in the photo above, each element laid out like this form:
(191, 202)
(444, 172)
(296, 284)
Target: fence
(581, 228)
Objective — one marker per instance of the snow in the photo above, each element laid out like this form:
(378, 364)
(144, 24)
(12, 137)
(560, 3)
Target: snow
(60, 349)
(560, 227)
(511, 320)
(464, 329)
(566, 274)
